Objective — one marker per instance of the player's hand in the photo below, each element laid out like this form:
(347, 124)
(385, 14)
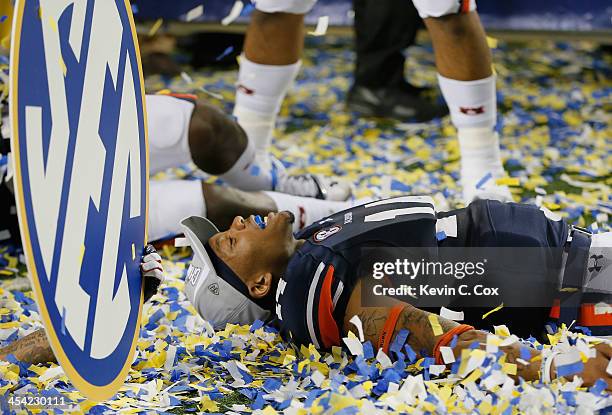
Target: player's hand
(596, 367)
(151, 265)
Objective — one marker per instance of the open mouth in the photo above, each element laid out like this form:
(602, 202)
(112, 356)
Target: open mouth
(262, 222)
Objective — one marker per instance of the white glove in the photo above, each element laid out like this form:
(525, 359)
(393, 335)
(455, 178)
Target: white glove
(151, 266)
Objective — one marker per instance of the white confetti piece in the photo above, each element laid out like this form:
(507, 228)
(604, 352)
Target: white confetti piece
(609, 368)
(170, 355)
(435, 370)
(493, 343)
(232, 368)
(509, 340)
(495, 379)
(186, 78)
(52, 373)
(383, 359)
(321, 27)
(448, 313)
(317, 378)
(356, 321)
(233, 14)
(448, 356)
(194, 13)
(354, 345)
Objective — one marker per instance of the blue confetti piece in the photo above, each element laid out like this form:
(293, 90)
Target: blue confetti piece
(3, 18)
(571, 369)
(598, 387)
(226, 52)
(256, 325)
(247, 10)
(368, 350)
(525, 354)
(411, 354)
(440, 236)
(399, 341)
(259, 402)
(271, 384)
(453, 342)
(428, 361)
(484, 180)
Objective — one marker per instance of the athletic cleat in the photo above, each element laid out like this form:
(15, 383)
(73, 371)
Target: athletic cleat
(311, 185)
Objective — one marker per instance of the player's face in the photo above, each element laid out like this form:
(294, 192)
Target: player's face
(249, 250)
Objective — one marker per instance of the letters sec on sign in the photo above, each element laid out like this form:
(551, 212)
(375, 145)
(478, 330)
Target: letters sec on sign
(81, 179)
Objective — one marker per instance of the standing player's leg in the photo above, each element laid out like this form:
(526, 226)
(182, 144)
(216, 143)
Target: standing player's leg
(467, 81)
(182, 131)
(268, 66)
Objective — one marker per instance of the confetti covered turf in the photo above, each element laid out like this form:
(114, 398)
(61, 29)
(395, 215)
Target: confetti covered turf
(556, 134)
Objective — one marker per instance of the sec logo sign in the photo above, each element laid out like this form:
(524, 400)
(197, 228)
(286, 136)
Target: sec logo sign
(81, 178)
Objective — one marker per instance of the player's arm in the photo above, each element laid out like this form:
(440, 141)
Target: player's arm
(35, 348)
(422, 337)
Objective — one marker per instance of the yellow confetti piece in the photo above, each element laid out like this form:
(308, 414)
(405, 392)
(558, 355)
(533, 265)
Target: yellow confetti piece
(492, 42)
(485, 408)
(208, 405)
(487, 314)
(133, 252)
(268, 410)
(508, 181)
(509, 368)
(477, 373)
(435, 325)
(12, 261)
(158, 23)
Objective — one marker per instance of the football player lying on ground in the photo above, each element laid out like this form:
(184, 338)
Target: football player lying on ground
(183, 129)
(35, 348)
(310, 284)
(257, 270)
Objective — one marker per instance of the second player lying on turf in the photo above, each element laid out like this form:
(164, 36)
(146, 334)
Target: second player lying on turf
(310, 288)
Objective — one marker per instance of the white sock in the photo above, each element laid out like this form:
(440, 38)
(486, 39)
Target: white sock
(473, 110)
(253, 171)
(479, 148)
(259, 95)
(306, 210)
(171, 201)
(471, 103)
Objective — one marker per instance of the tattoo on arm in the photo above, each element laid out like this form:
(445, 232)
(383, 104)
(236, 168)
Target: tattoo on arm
(415, 320)
(421, 333)
(373, 323)
(33, 348)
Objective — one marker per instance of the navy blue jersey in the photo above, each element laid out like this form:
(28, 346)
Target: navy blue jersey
(311, 297)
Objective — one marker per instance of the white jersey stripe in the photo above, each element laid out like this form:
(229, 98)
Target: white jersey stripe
(393, 213)
(338, 293)
(310, 303)
(403, 199)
